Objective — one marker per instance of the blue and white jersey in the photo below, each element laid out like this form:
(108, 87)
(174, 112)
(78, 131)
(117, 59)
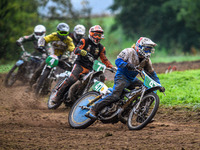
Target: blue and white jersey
(129, 55)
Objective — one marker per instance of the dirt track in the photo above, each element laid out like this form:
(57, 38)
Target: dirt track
(26, 123)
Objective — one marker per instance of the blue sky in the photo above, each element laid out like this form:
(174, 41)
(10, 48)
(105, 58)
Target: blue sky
(98, 6)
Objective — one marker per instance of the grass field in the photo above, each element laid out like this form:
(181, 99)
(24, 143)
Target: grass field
(182, 89)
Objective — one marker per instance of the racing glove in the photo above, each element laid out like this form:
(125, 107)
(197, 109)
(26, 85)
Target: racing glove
(83, 52)
(162, 89)
(41, 49)
(18, 43)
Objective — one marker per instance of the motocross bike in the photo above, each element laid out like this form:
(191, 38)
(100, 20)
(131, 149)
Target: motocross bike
(136, 107)
(23, 69)
(81, 86)
(48, 75)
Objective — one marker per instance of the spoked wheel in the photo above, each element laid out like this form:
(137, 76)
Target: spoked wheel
(77, 118)
(50, 103)
(11, 76)
(41, 82)
(139, 118)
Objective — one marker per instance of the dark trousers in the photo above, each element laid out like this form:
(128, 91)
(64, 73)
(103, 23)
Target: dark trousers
(77, 71)
(120, 82)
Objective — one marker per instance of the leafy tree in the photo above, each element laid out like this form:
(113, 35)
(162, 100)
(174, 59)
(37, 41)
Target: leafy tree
(17, 19)
(161, 20)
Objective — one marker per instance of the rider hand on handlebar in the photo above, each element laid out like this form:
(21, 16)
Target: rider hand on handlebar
(83, 52)
(18, 43)
(162, 89)
(113, 69)
(41, 49)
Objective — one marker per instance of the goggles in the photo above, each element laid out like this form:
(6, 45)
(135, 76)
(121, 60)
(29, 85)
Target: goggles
(97, 35)
(39, 33)
(63, 33)
(148, 49)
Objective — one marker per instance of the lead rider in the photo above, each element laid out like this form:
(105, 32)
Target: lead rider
(126, 74)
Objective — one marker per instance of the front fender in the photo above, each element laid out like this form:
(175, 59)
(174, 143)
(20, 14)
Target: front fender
(96, 74)
(152, 89)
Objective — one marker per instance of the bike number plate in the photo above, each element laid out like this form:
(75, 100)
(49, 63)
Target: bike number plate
(52, 61)
(100, 87)
(99, 66)
(149, 82)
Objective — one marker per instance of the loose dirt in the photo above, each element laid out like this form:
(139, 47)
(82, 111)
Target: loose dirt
(26, 123)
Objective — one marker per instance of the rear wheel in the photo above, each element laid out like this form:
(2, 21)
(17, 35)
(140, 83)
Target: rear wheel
(11, 76)
(77, 118)
(139, 118)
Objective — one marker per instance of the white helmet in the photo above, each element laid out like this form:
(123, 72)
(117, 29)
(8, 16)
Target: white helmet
(79, 31)
(39, 31)
(145, 46)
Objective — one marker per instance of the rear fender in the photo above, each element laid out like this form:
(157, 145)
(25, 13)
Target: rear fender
(96, 74)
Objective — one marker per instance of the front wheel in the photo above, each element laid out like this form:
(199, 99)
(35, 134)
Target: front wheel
(41, 82)
(77, 118)
(50, 103)
(139, 118)
(11, 76)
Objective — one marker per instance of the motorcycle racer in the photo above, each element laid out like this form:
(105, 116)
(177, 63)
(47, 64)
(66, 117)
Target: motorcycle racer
(83, 65)
(125, 77)
(61, 43)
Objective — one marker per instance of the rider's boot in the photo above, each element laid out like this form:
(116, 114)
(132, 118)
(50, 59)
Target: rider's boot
(60, 93)
(91, 114)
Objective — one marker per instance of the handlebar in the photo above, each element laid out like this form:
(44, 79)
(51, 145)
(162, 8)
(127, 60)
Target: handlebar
(111, 70)
(26, 54)
(23, 49)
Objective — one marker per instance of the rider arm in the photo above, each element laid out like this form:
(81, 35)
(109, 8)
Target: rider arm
(121, 61)
(104, 59)
(25, 38)
(70, 44)
(79, 47)
(155, 77)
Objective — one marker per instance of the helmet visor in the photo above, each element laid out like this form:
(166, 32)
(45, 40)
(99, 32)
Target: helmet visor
(63, 33)
(148, 49)
(39, 33)
(97, 35)
(79, 36)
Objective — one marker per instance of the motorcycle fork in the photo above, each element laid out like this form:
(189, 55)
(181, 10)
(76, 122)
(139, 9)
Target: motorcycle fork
(142, 95)
(94, 100)
(127, 104)
(43, 70)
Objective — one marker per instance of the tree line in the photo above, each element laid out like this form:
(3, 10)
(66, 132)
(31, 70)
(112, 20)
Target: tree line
(174, 25)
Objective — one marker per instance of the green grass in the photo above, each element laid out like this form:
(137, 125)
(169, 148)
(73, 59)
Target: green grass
(182, 89)
(6, 68)
(167, 59)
